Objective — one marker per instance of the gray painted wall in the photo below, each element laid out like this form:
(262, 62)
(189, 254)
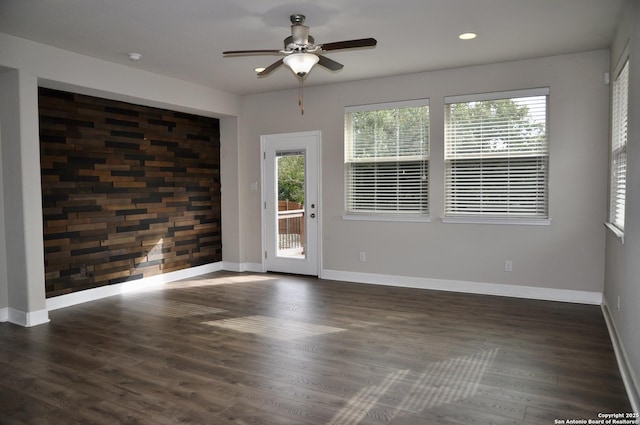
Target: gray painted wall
(622, 279)
(5, 80)
(19, 212)
(568, 254)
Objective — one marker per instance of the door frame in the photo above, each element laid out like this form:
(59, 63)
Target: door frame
(317, 134)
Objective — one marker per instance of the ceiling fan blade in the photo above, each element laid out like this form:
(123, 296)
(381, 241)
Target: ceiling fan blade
(268, 70)
(349, 44)
(329, 63)
(251, 52)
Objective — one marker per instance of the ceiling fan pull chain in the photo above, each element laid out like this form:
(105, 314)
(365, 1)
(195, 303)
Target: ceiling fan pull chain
(301, 96)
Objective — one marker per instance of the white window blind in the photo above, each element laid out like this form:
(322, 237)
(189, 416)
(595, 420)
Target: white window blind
(387, 158)
(497, 155)
(619, 110)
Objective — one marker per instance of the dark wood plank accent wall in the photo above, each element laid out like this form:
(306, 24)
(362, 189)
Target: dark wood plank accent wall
(128, 191)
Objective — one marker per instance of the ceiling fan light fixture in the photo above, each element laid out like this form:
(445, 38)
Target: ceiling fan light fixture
(301, 63)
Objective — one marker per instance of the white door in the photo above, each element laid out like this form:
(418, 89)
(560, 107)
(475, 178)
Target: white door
(291, 219)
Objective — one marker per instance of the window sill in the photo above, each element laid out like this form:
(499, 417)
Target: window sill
(616, 231)
(409, 218)
(498, 220)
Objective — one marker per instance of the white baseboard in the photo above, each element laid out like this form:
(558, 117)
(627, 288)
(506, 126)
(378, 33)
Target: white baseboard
(4, 314)
(32, 318)
(631, 382)
(155, 282)
(515, 291)
(243, 267)
(149, 283)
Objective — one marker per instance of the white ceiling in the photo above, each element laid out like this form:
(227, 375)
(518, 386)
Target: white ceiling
(186, 38)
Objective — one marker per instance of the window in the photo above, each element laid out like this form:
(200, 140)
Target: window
(497, 157)
(618, 159)
(387, 159)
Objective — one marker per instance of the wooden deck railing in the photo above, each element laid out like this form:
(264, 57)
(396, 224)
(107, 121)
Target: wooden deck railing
(290, 225)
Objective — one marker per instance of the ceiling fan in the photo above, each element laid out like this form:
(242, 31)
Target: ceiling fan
(300, 51)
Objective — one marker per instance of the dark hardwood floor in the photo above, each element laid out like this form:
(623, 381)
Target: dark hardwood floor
(271, 349)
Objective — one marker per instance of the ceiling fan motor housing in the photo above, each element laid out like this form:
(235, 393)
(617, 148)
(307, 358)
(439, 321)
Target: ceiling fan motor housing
(299, 38)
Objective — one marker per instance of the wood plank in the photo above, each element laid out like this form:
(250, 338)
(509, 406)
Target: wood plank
(106, 165)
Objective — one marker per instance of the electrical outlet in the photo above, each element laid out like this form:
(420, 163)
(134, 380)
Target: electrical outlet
(363, 257)
(508, 266)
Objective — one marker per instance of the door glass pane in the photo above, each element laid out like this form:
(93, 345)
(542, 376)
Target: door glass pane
(291, 196)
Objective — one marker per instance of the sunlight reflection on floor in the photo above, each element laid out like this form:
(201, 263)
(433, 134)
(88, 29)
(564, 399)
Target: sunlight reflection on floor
(282, 329)
(441, 383)
(175, 309)
(214, 279)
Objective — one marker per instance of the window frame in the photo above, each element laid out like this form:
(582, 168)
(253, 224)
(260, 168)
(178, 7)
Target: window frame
(382, 215)
(618, 147)
(506, 218)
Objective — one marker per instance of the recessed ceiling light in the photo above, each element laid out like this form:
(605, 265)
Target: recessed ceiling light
(467, 36)
(259, 69)
(135, 56)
